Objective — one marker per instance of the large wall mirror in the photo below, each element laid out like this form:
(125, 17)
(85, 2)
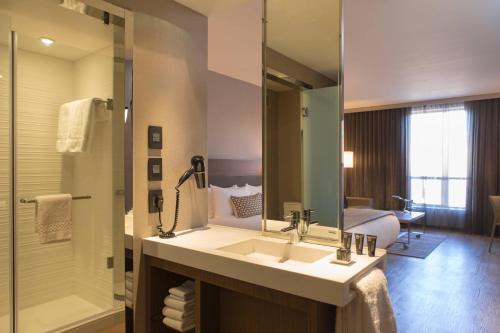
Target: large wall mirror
(302, 115)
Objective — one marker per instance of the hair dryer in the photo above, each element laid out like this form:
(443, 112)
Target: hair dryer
(198, 170)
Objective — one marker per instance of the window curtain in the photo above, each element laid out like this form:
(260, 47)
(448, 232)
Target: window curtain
(378, 141)
(484, 165)
(438, 159)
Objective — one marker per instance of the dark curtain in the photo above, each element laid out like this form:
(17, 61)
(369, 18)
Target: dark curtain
(378, 140)
(484, 163)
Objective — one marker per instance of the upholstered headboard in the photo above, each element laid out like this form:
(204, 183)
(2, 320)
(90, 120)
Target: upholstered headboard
(227, 172)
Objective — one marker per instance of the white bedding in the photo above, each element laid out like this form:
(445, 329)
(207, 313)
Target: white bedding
(253, 222)
(385, 228)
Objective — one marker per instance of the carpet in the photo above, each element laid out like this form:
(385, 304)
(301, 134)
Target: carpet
(418, 248)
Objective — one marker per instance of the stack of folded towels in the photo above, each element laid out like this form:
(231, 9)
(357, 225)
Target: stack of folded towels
(129, 289)
(179, 307)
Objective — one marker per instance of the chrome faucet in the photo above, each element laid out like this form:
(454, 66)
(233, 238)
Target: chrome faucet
(303, 227)
(294, 224)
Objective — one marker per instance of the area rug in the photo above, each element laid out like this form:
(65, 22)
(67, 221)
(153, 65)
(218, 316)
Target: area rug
(418, 248)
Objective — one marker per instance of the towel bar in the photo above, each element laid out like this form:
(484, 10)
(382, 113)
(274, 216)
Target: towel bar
(25, 201)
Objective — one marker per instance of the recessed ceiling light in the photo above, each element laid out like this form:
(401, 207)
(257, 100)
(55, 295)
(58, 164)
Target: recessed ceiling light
(1, 76)
(46, 41)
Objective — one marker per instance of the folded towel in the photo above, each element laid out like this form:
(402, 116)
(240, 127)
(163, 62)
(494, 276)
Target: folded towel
(177, 304)
(129, 304)
(53, 217)
(176, 314)
(186, 298)
(76, 123)
(129, 275)
(184, 291)
(178, 325)
(129, 295)
(129, 285)
(371, 309)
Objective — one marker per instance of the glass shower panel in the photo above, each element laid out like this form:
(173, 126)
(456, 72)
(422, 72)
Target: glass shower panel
(320, 122)
(66, 278)
(5, 176)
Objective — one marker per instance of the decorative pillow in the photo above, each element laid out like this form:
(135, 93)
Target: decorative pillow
(254, 189)
(247, 206)
(222, 199)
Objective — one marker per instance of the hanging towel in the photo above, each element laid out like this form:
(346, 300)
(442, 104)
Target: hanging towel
(183, 292)
(371, 310)
(76, 123)
(177, 304)
(178, 325)
(53, 217)
(178, 315)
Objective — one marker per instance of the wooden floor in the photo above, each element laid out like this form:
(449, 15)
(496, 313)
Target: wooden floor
(455, 289)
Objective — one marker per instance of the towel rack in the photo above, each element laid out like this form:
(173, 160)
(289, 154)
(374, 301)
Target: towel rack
(108, 102)
(26, 201)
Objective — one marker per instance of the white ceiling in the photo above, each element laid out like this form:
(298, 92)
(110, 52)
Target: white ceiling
(75, 35)
(417, 50)
(301, 30)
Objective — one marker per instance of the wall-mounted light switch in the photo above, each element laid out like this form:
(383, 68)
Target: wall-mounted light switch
(155, 137)
(154, 169)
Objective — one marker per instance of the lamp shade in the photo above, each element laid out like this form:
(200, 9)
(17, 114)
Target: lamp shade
(348, 159)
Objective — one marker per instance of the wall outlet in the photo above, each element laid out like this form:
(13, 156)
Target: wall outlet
(152, 195)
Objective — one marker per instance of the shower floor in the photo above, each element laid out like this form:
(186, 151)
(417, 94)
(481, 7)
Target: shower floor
(54, 315)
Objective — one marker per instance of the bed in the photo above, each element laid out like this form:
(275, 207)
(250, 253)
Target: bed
(231, 173)
(383, 224)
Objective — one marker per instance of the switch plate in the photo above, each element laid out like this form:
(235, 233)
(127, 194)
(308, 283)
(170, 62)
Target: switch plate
(151, 200)
(154, 169)
(155, 137)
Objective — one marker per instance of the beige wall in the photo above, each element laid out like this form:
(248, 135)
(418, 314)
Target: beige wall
(4, 184)
(235, 81)
(235, 42)
(170, 90)
(234, 118)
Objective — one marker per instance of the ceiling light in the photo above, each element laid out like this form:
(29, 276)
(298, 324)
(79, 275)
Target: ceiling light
(1, 76)
(46, 41)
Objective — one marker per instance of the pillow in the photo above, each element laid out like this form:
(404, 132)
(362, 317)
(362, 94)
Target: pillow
(222, 199)
(254, 189)
(247, 206)
(210, 203)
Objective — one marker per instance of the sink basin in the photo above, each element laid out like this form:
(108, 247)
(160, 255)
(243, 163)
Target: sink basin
(276, 251)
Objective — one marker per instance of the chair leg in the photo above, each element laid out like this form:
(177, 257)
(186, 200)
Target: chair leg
(492, 236)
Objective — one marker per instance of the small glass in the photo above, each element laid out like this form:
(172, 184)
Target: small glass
(372, 244)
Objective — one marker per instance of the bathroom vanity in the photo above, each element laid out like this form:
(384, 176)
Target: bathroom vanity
(245, 282)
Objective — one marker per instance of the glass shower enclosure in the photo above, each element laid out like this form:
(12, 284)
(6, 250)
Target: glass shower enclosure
(53, 53)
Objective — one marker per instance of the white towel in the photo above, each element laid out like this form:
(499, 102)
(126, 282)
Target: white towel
(129, 275)
(129, 304)
(371, 310)
(174, 303)
(184, 291)
(129, 295)
(76, 123)
(129, 285)
(178, 325)
(53, 217)
(176, 314)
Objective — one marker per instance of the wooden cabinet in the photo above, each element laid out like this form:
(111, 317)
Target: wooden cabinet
(228, 305)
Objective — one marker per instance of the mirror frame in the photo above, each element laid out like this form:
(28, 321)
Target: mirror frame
(335, 233)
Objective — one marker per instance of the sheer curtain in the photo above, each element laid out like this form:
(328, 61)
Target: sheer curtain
(438, 163)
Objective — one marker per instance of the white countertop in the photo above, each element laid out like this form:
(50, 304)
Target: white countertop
(321, 280)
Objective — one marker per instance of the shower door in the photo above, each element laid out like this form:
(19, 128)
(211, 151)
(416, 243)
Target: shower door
(6, 263)
(58, 55)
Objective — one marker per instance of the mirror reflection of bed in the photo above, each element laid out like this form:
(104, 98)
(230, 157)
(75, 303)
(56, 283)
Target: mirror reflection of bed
(234, 193)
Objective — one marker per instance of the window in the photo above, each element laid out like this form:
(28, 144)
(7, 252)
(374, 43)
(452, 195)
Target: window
(438, 156)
